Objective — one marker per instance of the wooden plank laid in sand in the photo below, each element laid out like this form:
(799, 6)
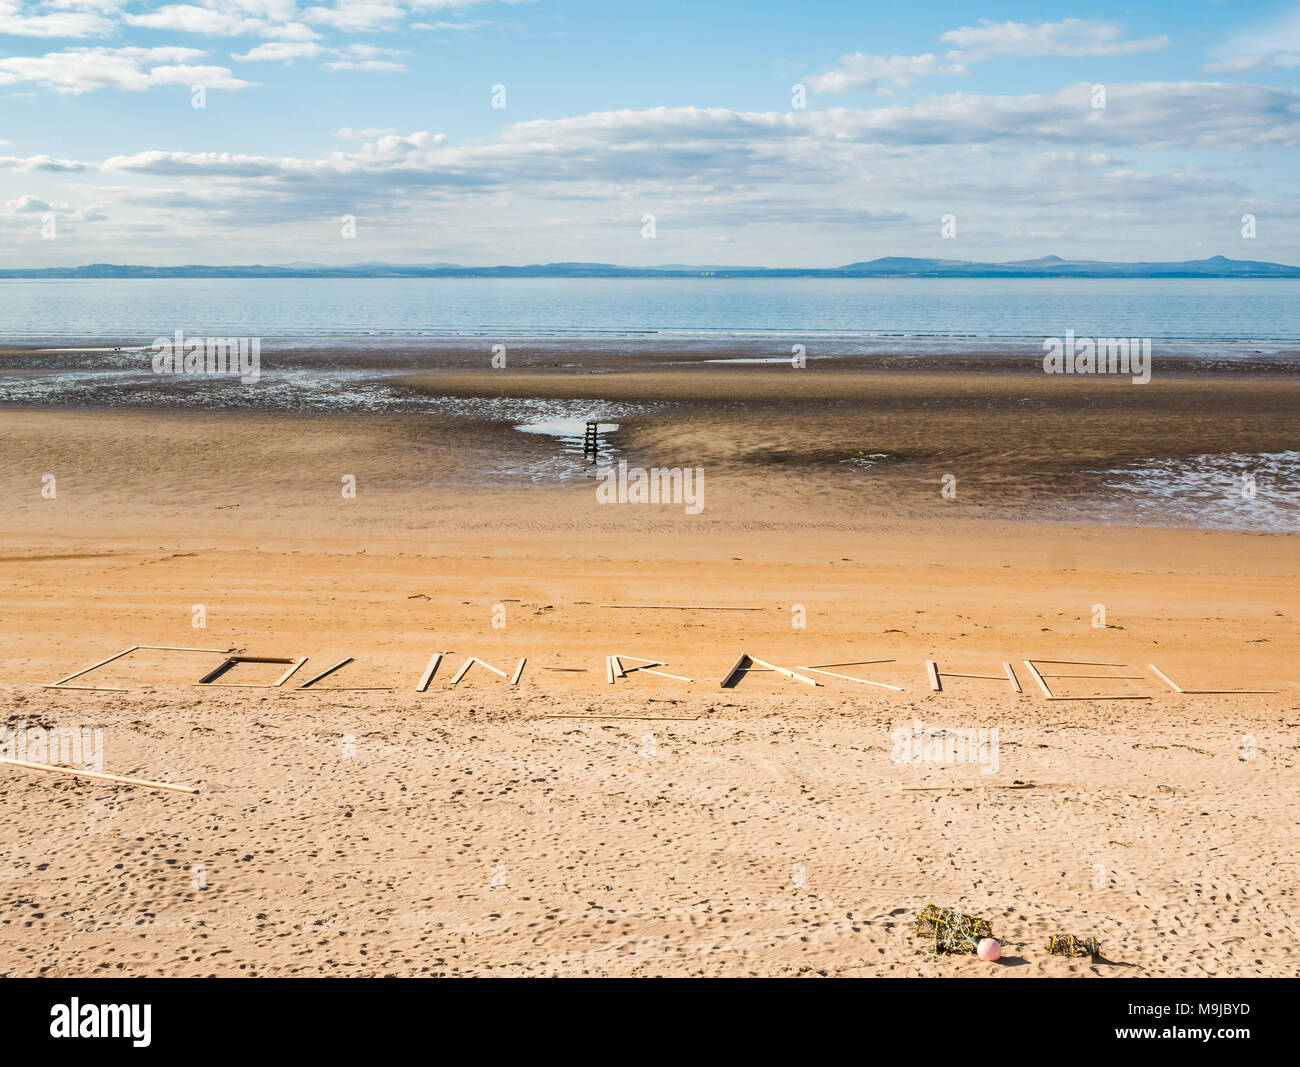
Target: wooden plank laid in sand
(1120, 697)
(850, 678)
(1080, 662)
(854, 663)
(787, 672)
(1015, 682)
(485, 663)
(936, 676)
(663, 674)
(637, 718)
(1206, 692)
(464, 669)
(933, 670)
(227, 664)
(519, 670)
(991, 785)
(289, 673)
(681, 607)
(1041, 679)
(117, 779)
(178, 648)
(87, 670)
(1042, 684)
(642, 663)
(1112, 677)
(735, 669)
(609, 669)
(429, 672)
(87, 688)
(326, 673)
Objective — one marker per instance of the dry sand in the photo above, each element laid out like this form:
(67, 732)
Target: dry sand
(763, 829)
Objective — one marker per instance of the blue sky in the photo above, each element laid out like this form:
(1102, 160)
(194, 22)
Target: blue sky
(809, 134)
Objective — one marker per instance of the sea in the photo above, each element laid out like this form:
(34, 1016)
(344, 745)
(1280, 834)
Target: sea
(87, 343)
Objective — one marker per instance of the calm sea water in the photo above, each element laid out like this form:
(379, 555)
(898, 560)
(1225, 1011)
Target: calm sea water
(1229, 316)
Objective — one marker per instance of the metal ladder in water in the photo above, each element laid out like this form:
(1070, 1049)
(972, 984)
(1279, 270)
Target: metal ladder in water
(591, 441)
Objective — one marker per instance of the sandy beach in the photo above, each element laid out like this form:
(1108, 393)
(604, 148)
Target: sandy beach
(567, 826)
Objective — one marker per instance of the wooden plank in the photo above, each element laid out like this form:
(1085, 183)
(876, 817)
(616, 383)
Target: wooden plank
(228, 663)
(734, 669)
(177, 648)
(1011, 674)
(854, 663)
(289, 673)
(519, 670)
(1101, 698)
(609, 669)
(429, 672)
(984, 677)
(86, 688)
(850, 678)
(642, 663)
(663, 674)
(464, 670)
(1080, 662)
(87, 670)
(991, 785)
(933, 670)
(216, 672)
(1167, 680)
(1206, 692)
(637, 718)
(1039, 679)
(618, 667)
(1112, 677)
(115, 778)
(485, 663)
(788, 673)
(325, 673)
(681, 607)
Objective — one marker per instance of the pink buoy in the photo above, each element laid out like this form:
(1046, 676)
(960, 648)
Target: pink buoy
(989, 950)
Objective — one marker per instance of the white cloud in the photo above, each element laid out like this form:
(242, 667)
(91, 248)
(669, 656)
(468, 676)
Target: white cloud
(27, 205)
(17, 20)
(82, 70)
(861, 71)
(1271, 46)
(41, 163)
(1034, 164)
(187, 18)
(280, 51)
(382, 66)
(1069, 37)
(356, 15)
(702, 146)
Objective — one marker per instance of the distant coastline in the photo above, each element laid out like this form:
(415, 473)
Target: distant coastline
(887, 267)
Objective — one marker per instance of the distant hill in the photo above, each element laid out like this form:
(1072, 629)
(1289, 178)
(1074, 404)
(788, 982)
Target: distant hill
(887, 267)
